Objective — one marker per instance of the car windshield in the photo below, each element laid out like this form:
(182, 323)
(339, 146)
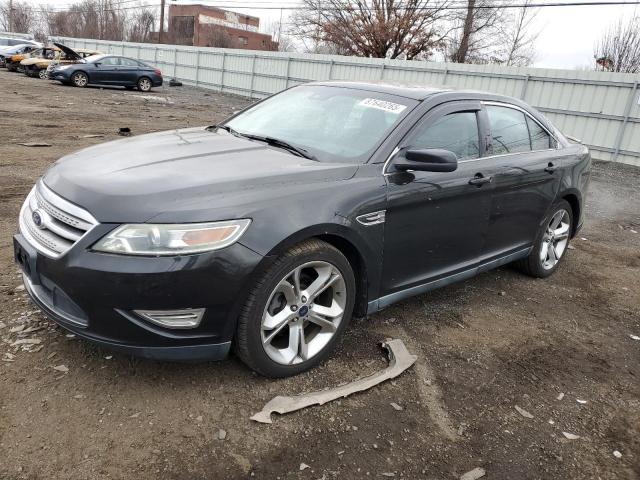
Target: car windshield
(333, 124)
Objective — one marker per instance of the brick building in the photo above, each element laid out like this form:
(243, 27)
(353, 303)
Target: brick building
(206, 26)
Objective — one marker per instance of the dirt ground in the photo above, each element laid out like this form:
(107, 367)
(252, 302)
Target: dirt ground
(485, 346)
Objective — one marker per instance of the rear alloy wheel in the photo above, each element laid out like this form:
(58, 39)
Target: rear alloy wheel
(551, 243)
(80, 79)
(298, 310)
(144, 84)
(42, 73)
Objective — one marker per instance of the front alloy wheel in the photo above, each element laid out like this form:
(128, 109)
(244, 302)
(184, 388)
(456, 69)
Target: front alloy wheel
(80, 79)
(297, 310)
(303, 313)
(42, 73)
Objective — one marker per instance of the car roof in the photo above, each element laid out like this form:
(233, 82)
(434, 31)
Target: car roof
(422, 92)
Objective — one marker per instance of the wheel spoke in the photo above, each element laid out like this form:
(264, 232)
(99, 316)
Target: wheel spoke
(303, 346)
(321, 283)
(334, 311)
(296, 281)
(274, 321)
(291, 352)
(556, 220)
(274, 332)
(552, 254)
(544, 251)
(322, 322)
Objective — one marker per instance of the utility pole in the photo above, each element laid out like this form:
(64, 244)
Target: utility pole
(160, 39)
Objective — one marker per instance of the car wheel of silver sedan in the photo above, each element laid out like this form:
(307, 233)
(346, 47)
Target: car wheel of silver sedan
(297, 311)
(551, 242)
(42, 73)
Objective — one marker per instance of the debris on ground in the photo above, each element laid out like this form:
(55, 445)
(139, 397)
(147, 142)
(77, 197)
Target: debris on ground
(570, 436)
(35, 144)
(61, 368)
(474, 474)
(222, 434)
(175, 83)
(581, 402)
(96, 135)
(399, 360)
(124, 132)
(617, 454)
(523, 412)
(304, 466)
(560, 396)
(396, 406)
(634, 337)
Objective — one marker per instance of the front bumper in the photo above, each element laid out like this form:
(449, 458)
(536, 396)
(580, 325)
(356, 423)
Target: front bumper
(94, 295)
(60, 75)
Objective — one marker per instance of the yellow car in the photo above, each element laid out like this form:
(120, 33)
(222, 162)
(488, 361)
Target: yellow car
(13, 62)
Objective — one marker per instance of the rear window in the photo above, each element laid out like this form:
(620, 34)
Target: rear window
(509, 131)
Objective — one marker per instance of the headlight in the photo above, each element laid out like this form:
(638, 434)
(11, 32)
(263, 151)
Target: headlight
(172, 239)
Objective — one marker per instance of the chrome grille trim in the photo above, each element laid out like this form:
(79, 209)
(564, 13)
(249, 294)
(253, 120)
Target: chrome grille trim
(63, 223)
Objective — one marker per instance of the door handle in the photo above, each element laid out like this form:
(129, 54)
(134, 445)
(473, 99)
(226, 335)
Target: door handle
(480, 180)
(550, 168)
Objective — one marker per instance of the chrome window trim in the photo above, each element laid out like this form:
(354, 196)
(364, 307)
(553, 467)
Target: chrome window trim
(489, 157)
(520, 109)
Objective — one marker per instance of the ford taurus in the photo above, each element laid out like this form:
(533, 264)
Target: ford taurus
(268, 232)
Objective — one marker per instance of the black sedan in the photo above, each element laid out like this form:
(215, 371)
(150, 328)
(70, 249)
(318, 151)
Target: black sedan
(269, 231)
(109, 70)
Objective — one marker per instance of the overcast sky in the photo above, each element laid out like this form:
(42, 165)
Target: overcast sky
(567, 34)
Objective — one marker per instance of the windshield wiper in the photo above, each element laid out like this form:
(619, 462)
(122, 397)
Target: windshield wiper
(276, 142)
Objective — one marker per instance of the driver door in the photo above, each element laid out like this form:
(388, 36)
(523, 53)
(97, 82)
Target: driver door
(106, 71)
(436, 222)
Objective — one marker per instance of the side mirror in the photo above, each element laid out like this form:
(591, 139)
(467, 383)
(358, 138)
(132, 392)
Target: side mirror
(427, 160)
(97, 64)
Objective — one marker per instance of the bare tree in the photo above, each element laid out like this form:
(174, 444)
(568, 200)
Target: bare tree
(619, 48)
(371, 28)
(140, 25)
(517, 45)
(20, 19)
(475, 31)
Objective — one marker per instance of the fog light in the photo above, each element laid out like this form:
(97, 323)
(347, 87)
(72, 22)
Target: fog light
(187, 318)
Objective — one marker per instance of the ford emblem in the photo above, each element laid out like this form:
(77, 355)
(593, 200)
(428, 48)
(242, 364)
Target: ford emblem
(37, 218)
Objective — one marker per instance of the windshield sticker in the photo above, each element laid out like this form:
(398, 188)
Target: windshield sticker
(382, 105)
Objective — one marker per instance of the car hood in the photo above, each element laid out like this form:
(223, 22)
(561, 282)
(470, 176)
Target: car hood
(185, 175)
(71, 54)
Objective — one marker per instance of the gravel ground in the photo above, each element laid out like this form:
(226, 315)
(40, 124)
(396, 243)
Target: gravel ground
(560, 349)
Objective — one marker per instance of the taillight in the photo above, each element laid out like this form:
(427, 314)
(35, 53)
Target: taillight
(158, 72)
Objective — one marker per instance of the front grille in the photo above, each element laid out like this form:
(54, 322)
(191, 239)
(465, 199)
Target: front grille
(60, 223)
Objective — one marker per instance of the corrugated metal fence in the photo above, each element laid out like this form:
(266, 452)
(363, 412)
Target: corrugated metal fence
(601, 108)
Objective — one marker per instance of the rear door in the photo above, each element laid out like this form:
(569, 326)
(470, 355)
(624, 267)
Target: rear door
(526, 178)
(128, 71)
(436, 222)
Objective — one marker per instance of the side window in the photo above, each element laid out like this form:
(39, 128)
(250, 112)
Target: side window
(509, 131)
(456, 132)
(540, 139)
(110, 61)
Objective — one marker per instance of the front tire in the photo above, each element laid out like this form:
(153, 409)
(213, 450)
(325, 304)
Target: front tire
(297, 311)
(80, 79)
(551, 242)
(42, 74)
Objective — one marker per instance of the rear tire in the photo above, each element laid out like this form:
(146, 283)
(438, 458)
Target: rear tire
(551, 243)
(80, 79)
(296, 311)
(144, 84)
